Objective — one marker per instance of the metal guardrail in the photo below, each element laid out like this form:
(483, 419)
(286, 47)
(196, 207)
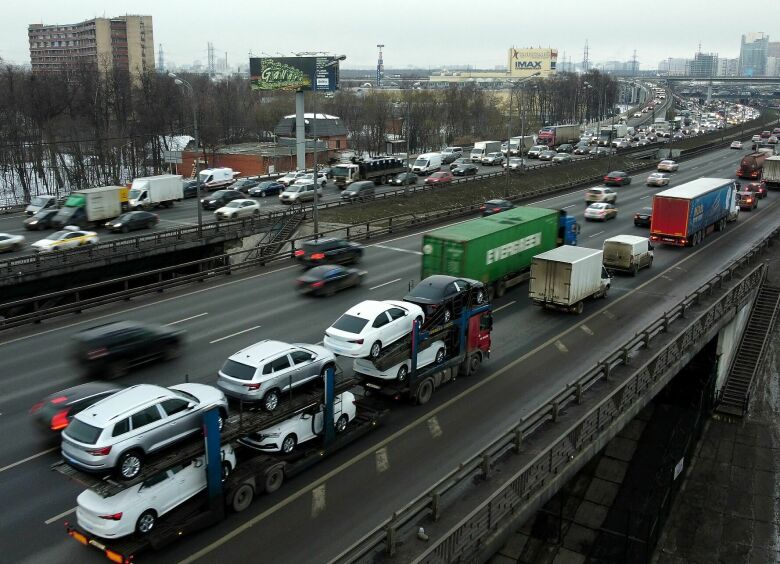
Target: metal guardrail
(472, 528)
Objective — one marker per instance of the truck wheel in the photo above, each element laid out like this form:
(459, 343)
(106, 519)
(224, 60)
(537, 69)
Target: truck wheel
(424, 392)
(271, 400)
(242, 498)
(402, 373)
(475, 361)
(634, 269)
(341, 424)
(376, 348)
(578, 308)
(500, 288)
(274, 479)
(146, 522)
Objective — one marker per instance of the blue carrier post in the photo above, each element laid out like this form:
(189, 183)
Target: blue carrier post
(211, 437)
(328, 425)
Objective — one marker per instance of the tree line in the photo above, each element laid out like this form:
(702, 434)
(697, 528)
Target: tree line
(83, 128)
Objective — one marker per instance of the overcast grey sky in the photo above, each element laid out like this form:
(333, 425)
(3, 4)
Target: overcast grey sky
(425, 34)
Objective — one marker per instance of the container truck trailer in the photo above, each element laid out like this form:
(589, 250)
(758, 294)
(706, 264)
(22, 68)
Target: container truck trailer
(496, 250)
(685, 214)
(771, 172)
(558, 135)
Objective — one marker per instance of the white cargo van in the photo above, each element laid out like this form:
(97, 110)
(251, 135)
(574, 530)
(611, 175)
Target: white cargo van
(215, 178)
(427, 163)
(154, 191)
(38, 203)
(628, 253)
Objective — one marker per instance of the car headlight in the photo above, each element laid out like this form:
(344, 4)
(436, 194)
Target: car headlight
(118, 224)
(33, 222)
(270, 435)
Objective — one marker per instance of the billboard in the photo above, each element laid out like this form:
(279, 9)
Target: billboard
(293, 73)
(525, 62)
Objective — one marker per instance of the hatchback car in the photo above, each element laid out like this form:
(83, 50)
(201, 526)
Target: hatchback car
(65, 239)
(658, 179)
(359, 191)
(562, 158)
(328, 250)
(565, 148)
(41, 220)
(617, 178)
(601, 195)
(266, 188)
(439, 178)
(10, 242)
(298, 193)
(133, 220)
(303, 427)
(547, 155)
(403, 179)
(758, 188)
(535, 151)
(465, 170)
(328, 279)
(441, 292)
(263, 371)
(238, 209)
(492, 207)
(582, 149)
(220, 198)
(668, 166)
(600, 212)
(55, 411)
(243, 185)
(111, 349)
(120, 431)
(747, 200)
(600, 151)
(365, 329)
(516, 163)
(137, 508)
(643, 217)
(492, 159)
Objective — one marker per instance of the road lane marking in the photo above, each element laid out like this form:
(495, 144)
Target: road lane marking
(60, 516)
(434, 427)
(561, 347)
(384, 284)
(643, 197)
(664, 276)
(22, 461)
(503, 306)
(188, 318)
(569, 206)
(591, 236)
(317, 500)
(235, 334)
(382, 460)
(397, 249)
(587, 330)
(609, 314)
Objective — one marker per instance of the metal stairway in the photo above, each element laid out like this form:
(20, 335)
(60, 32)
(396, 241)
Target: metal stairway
(275, 243)
(735, 393)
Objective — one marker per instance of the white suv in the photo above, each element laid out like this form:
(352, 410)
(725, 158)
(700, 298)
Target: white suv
(601, 195)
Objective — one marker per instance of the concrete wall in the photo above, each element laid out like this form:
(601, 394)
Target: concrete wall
(728, 341)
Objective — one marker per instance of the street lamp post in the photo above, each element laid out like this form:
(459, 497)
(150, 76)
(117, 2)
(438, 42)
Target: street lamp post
(514, 85)
(188, 86)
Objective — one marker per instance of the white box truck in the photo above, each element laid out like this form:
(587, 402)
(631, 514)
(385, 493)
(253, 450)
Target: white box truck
(155, 191)
(91, 206)
(216, 178)
(427, 163)
(771, 174)
(628, 253)
(482, 148)
(565, 277)
(516, 144)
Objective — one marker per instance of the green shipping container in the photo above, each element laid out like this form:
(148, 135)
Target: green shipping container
(490, 248)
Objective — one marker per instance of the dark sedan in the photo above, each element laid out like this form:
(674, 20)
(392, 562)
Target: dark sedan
(190, 188)
(266, 188)
(244, 185)
(328, 250)
(110, 350)
(643, 217)
(465, 170)
(492, 207)
(41, 220)
(459, 162)
(219, 198)
(758, 188)
(448, 293)
(55, 411)
(582, 150)
(566, 148)
(617, 178)
(547, 155)
(133, 220)
(404, 178)
(328, 279)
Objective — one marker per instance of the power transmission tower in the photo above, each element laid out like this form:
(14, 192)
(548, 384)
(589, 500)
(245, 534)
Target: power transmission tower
(380, 67)
(633, 65)
(160, 59)
(585, 59)
(211, 62)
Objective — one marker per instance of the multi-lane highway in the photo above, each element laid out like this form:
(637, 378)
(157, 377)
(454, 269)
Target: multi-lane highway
(318, 514)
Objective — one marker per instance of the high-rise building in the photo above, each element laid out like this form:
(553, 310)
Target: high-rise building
(704, 65)
(752, 54)
(728, 67)
(674, 66)
(124, 43)
(773, 49)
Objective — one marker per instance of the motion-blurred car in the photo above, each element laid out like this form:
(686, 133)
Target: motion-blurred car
(290, 177)
(308, 178)
(515, 163)
(617, 178)
(658, 179)
(758, 188)
(492, 207)
(600, 212)
(130, 221)
(643, 217)
(10, 242)
(600, 151)
(243, 185)
(465, 170)
(302, 427)
(238, 209)
(600, 194)
(328, 279)
(440, 178)
(493, 159)
(65, 239)
(111, 349)
(565, 148)
(747, 200)
(547, 155)
(189, 188)
(583, 149)
(562, 158)
(220, 198)
(667, 166)
(55, 411)
(41, 220)
(458, 162)
(298, 193)
(328, 250)
(266, 188)
(404, 178)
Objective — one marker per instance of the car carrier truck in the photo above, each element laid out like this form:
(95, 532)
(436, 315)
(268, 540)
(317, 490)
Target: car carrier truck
(685, 214)
(497, 250)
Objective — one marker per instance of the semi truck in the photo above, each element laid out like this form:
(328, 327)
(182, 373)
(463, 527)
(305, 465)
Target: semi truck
(628, 253)
(497, 250)
(377, 170)
(482, 148)
(155, 191)
(685, 214)
(554, 135)
(751, 165)
(771, 172)
(608, 133)
(92, 206)
(565, 277)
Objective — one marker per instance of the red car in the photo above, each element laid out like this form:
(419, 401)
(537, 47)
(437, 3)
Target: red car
(617, 177)
(440, 178)
(758, 188)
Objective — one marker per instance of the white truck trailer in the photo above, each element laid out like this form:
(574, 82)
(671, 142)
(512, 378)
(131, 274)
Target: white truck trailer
(563, 278)
(155, 191)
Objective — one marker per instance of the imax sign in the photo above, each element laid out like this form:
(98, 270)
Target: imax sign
(528, 65)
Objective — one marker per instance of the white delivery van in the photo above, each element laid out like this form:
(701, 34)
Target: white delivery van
(628, 253)
(216, 178)
(427, 163)
(153, 191)
(564, 277)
